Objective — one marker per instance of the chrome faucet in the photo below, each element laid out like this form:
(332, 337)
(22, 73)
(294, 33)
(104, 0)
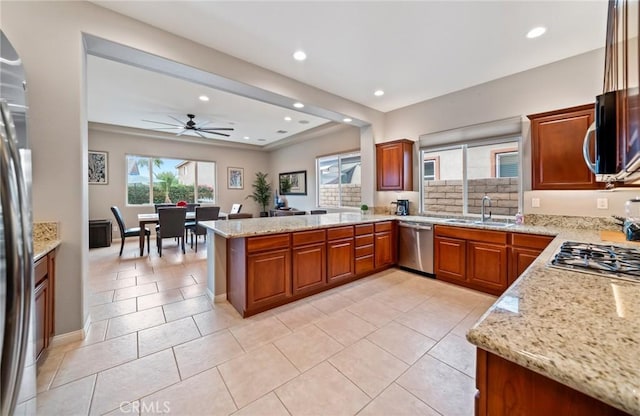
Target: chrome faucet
(485, 199)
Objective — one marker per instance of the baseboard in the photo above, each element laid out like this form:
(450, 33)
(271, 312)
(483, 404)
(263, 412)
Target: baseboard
(220, 298)
(210, 294)
(67, 338)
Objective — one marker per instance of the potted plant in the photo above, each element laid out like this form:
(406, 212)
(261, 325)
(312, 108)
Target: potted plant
(364, 208)
(261, 192)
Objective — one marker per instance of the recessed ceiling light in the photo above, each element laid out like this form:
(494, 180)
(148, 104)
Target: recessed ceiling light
(262, 140)
(347, 120)
(298, 105)
(299, 56)
(536, 31)
(204, 98)
(281, 131)
(378, 93)
(303, 121)
(247, 137)
(287, 118)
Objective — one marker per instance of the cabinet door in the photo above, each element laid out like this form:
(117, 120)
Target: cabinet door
(450, 259)
(394, 165)
(41, 321)
(487, 266)
(309, 267)
(340, 260)
(268, 277)
(383, 249)
(520, 259)
(556, 142)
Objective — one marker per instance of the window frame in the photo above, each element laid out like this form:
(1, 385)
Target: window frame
(150, 184)
(464, 146)
(436, 168)
(495, 155)
(339, 156)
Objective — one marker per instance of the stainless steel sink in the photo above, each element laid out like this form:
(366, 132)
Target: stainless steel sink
(460, 221)
(494, 223)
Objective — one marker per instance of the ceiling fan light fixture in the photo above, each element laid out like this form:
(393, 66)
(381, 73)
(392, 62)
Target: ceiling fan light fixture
(298, 105)
(299, 55)
(203, 98)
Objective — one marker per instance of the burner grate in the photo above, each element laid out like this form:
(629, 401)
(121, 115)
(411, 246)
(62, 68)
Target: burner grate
(609, 260)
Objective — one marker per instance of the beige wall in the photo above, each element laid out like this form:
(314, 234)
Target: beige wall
(48, 37)
(119, 144)
(302, 156)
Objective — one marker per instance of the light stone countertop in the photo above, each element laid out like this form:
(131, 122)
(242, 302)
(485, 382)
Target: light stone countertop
(41, 248)
(579, 329)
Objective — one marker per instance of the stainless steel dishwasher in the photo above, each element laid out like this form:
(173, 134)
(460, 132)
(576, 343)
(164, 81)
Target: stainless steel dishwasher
(415, 246)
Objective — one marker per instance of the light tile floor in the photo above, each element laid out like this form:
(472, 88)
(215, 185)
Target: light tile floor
(389, 344)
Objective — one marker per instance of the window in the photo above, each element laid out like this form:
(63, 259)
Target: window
(470, 171)
(339, 181)
(155, 180)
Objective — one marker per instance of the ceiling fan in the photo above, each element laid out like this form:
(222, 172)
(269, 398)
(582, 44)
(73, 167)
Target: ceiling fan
(190, 125)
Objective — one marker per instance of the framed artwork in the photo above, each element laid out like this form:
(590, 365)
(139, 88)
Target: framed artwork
(98, 168)
(235, 178)
(293, 183)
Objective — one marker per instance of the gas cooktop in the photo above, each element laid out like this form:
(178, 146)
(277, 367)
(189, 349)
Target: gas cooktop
(603, 259)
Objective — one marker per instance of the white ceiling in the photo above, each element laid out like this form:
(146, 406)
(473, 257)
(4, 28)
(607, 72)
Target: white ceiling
(412, 50)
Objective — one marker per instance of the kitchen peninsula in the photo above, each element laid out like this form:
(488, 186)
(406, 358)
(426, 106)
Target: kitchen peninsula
(261, 263)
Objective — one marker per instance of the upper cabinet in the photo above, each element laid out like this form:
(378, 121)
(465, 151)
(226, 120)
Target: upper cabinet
(394, 165)
(556, 147)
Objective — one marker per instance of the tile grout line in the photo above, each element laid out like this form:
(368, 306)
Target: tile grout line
(217, 367)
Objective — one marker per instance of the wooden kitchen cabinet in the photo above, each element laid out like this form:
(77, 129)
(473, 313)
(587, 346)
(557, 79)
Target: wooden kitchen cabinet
(506, 388)
(487, 265)
(364, 258)
(524, 249)
(44, 319)
(309, 261)
(268, 271)
(384, 244)
(556, 148)
(340, 254)
(394, 165)
(450, 259)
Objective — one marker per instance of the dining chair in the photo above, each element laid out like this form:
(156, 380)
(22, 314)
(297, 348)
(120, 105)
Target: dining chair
(318, 211)
(191, 207)
(239, 215)
(127, 232)
(299, 212)
(170, 224)
(202, 214)
(163, 205)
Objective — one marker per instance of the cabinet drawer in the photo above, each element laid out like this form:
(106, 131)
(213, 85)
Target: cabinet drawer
(339, 232)
(364, 264)
(486, 236)
(40, 270)
(267, 242)
(384, 226)
(364, 250)
(364, 240)
(364, 229)
(530, 240)
(308, 237)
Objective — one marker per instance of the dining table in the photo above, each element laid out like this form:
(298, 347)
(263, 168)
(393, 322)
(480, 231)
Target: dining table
(152, 218)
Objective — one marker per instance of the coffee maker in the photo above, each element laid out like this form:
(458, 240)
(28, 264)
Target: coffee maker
(402, 206)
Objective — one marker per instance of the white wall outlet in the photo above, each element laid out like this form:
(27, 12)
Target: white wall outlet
(535, 202)
(602, 203)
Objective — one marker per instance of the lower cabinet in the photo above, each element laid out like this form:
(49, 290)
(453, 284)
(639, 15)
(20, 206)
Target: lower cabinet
(268, 277)
(340, 253)
(384, 244)
(485, 260)
(364, 250)
(43, 294)
(506, 388)
(309, 261)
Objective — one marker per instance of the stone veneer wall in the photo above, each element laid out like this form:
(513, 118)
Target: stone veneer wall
(446, 195)
(351, 195)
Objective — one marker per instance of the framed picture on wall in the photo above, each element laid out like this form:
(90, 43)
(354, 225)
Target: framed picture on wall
(235, 178)
(293, 183)
(98, 168)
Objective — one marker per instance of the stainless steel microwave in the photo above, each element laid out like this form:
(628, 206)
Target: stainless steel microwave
(616, 149)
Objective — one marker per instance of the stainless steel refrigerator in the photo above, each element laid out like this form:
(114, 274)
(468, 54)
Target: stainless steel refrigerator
(17, 348)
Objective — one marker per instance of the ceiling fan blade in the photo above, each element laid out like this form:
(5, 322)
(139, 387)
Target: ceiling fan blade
(217, 128)
(182, 132)
(168, 124)
(198, 133)
(202, 125)
(168, 128)
(179, 121)
(220, 134)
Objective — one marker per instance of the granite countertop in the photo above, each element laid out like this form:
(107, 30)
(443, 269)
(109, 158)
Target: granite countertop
(580, 329)
(41, 248)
